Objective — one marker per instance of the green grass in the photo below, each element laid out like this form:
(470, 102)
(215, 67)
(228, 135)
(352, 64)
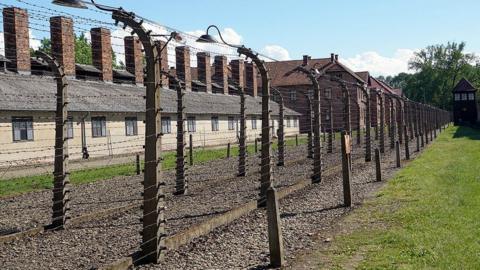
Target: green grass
(38, 182)
(426, 217)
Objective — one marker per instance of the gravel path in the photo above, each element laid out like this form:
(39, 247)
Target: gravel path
(34, 209)
(102, 241)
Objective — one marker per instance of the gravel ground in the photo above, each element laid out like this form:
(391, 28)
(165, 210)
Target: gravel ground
(102, 241)
(34, 209)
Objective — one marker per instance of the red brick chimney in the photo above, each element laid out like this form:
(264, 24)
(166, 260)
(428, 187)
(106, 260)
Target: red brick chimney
(251, 79)
(238, 71)
(184, 72)
(204, 70)
(306, 59)
(63, 43)
(336, 57)
(134, 58)
(102, 52)
(332, 57)
(17, 40)
(164, 62)
(221, 73)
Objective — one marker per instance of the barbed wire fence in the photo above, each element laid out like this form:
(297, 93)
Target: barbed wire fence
(212, 192)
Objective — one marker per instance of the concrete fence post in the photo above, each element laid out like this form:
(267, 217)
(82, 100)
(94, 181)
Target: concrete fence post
(281, 131)
(368, 139)
(242, 157)
(60, 199)
(137, 164)
(397, 154)
(407, 146)
(330, 132)
(310, 127)
(154, 230)
(190, 149)
(382, 123)
(181, 184)
(274, 229)
(378, 168)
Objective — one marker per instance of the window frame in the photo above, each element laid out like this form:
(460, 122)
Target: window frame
(471, 96)
(231, 123)
(70, 133)
(457, 97)
(215, 123)
(254, 122)
(289, 122)
(166, 123)
(191, 124)
(292, 95)
(134, 120)
(103, 126)
(328, 93)
(28, 127)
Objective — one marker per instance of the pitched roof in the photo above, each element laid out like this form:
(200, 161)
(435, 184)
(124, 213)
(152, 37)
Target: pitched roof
(36, 93)
(464, 86)
(365, 75)
(277, 71)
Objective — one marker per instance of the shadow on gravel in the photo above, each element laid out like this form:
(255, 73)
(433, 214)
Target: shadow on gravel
(286, 215)
(467, 132)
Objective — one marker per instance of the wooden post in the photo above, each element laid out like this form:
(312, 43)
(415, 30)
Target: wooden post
(397, 154)
(256, 145)
(347, 195)
(296, 139)
(61, 180)
(228, 150)
(392, 123)
(137, 164)
(378, 168)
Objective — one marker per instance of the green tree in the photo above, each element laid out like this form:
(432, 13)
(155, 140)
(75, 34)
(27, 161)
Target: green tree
(83, 50)
(438, 68)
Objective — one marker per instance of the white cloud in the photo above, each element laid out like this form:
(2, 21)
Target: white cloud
(378, 64)
(276, 52)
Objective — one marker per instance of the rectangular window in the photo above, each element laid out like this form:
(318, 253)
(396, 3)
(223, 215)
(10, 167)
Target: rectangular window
(471, 96)
(295, 122)
(328, 93)
(231, 123)
(292, 95)
(99, 126)
(131, 126)
(289, 124)
(166, 125)
(254, 123)
(70, 128)
(310, 93)
(464, 96)
(327, 115)
(191, 124)
(215, 123)
(457, 97)
(22, 129)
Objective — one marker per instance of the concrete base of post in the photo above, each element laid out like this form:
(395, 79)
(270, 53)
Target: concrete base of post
(275, 238)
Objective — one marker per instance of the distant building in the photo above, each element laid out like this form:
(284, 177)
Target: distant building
(464, 103)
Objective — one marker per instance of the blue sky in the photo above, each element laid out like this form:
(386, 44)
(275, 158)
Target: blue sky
(366, 34)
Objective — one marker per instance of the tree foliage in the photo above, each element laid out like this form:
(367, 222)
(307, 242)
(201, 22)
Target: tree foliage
(83, 50)
(438, 68)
